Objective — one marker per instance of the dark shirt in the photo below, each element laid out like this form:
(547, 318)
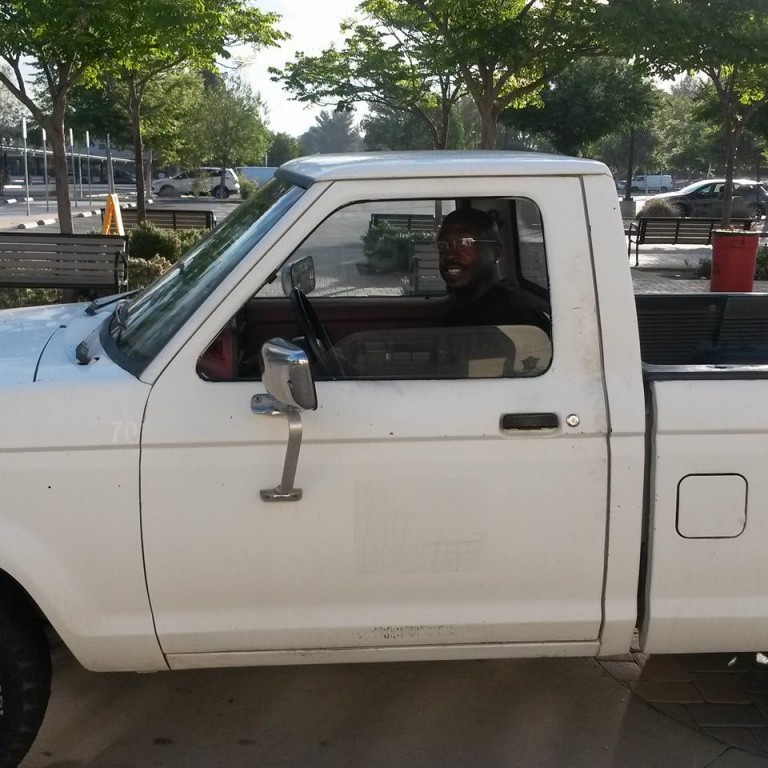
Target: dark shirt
(502, 304)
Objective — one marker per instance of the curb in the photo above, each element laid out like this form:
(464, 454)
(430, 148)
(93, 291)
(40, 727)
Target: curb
(33, 224)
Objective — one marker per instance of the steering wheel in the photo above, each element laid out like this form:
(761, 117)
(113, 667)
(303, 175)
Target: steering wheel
(317, 337)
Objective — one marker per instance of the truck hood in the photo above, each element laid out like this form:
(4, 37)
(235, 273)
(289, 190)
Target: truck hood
(24, 334)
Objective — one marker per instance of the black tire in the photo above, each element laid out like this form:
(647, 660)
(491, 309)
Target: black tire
(167, 190)
(220, 193)
(25, 676)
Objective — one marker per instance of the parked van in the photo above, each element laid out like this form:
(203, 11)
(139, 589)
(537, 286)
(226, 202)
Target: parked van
(652, 183)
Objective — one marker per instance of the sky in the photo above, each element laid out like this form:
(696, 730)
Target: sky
(313, 26)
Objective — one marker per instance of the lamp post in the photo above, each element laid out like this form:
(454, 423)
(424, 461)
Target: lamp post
(88, 164)
(45, 172)
(26, 168)
(74, 178)
(4, 169)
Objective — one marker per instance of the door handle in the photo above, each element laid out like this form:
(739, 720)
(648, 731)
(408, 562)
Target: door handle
(524, 422)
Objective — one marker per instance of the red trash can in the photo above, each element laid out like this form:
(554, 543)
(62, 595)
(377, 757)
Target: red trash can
(733, 260)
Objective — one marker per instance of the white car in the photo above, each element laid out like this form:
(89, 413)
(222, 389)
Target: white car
(199, 181)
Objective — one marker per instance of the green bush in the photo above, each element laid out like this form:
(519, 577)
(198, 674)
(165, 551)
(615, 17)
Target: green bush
(248, 187)
(144, 272)
(11, 298)
(187, 238)
(660, 208)
(387, 248)
(761, 263)
(147, 241)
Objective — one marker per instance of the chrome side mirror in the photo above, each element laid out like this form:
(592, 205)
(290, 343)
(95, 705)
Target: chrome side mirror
(291, 389)
(287, 375)
(300, 274)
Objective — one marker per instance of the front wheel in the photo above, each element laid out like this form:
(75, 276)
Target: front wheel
(25, 676)
(167, 190)
(220, 193)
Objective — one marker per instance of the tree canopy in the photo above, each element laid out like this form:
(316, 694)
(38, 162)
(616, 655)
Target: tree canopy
(590, 99)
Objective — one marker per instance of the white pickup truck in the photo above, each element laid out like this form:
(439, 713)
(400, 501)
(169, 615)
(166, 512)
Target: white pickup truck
(470, 492)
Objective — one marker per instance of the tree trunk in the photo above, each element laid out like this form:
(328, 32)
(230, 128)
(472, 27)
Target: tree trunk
(59, 149)
(488, 120)
(138, 151)
(732, 136)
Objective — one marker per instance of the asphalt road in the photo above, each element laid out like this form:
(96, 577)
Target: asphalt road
(12, 214)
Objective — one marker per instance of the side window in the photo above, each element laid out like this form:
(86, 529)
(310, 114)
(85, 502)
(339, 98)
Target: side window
(373, 293)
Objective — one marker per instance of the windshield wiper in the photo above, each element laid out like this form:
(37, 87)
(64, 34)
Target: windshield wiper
(97, 304)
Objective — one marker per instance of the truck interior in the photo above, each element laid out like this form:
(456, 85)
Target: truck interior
(363, 296)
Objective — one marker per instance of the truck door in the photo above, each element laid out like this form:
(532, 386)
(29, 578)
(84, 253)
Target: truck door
(447, 515)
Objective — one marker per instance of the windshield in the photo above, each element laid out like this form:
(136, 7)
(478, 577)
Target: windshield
(151, 320)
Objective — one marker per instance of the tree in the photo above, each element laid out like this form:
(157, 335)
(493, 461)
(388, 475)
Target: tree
(161, 36)
(506, 51)
(63, 41)
(592, 98)
(332, 132)
(685, 140)
(723, 39)
(10, 109)
(393, 61)
(170, 109)
(385, 128)
(230, 125)
(283, 148)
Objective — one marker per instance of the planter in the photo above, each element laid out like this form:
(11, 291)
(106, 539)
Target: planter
(733, 260)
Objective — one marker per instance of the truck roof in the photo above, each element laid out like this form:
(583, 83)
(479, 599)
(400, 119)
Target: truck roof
(389, 165)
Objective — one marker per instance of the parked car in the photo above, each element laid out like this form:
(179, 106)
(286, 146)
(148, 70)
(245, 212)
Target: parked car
(200, 181)
(712, 189)
(660, 182)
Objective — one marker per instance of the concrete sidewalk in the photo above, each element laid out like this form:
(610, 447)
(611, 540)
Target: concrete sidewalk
(527, 713)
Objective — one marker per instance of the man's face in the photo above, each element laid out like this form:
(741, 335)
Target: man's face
(464, 267)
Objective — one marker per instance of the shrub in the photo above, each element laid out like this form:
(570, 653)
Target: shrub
(761, 263)
(248, 187)
(187, 238)
(387, 247)
(662, 207)
(11, 298)
(143, 272)
(147, 241)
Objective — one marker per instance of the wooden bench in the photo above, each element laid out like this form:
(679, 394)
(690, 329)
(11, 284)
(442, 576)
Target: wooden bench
(417, 222)
(53, 260)
(659, 230)
(424, 270)
(169, 218)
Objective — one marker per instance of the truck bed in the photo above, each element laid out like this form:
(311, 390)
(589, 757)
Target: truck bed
(703, 329)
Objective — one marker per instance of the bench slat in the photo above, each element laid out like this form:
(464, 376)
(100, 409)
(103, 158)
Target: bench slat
(669, 231)
(54, 260)
(169, 218)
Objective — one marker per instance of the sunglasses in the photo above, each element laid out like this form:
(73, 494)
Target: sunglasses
(444, 246)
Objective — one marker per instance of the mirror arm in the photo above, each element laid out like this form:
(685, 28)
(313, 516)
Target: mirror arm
(266, 405)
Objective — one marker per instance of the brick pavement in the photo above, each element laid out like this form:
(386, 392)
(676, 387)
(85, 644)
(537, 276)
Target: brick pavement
(722, 695)
(671, 269)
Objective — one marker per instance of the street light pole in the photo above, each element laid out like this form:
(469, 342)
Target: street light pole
(72, 152)
(45, 172)
(88, 165)
(26, 167)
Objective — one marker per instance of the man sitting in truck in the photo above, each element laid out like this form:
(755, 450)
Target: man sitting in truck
(470, 249)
